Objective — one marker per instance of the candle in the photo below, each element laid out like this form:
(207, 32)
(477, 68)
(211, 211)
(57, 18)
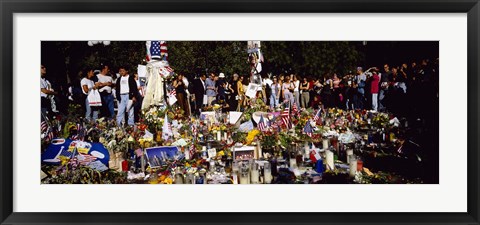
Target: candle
(244, 179)
(187, 155)
(119, 164)
(359, 165)
(219, 136)
(329, 156)
(254, 174)
(325, 143)
(125, 166)
(293, 163)
(259, 150)
(235, 178)
(142, 162)
(225, 136)
(353, 167)
(267, 173)
(349, 153)
(178, 176)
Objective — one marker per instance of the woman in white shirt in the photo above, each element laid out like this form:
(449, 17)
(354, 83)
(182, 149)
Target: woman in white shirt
(89, 85)
(296, 90)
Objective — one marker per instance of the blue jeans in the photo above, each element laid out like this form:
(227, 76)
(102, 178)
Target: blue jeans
(122, 108)
(289, 96)
(273, 101)
(108, 100)
(89, 111)
(297, 98)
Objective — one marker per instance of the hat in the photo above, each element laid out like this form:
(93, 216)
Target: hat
(359, 68)
(221, 75)
(235, 75)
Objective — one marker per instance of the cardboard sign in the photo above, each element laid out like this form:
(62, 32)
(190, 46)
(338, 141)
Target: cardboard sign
(252, 90)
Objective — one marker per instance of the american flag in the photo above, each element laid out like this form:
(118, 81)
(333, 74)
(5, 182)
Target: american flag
(192, 150)
(44, 126)
(173, 92)
(314, 155)
(194, 130)
(286, 118)
(49, 135)
(295, 109)
(85, 159)
(164, 50)
(153, 50)
(308, 130)
(80, 133)
(273, 125)
(317, 116)
(67, 153)
(261, 124)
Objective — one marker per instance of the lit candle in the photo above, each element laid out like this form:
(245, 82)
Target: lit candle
(254, 174)
(349, 153)
(325, 143)
(219, 136)
(353, 167)
(225, 135)
(329, 156)
(267, 173)
(244, 178)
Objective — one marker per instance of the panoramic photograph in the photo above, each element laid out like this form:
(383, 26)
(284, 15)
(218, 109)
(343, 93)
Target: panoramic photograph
(239, 112)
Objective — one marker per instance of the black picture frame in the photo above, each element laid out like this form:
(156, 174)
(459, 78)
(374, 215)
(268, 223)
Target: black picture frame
(10, 7)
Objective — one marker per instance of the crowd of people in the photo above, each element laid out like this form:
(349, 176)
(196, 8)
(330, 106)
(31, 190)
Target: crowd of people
(399, 89)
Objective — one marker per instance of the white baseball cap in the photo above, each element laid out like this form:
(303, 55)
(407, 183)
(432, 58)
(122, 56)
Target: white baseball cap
(221, 75)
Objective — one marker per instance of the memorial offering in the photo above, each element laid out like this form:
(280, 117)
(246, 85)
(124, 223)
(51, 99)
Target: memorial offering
(154, 125)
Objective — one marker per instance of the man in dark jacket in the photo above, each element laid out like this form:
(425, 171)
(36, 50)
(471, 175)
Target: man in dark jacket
(126, 93)
(199, 90)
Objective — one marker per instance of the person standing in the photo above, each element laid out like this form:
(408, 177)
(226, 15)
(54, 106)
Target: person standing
(211, 90)
(88, 85)
(374, 90)
(305, 89)
(220, 86)
(287, 91)
(385, 78)
(234, 93)
(199, 89)
(241, 93)
(180, 89)
(274, 93)
(138, 104)
(336, 91)
(296, 90)
(46, 93)
(105, 83)
(126, 93)
(360, 80)
(281, 80)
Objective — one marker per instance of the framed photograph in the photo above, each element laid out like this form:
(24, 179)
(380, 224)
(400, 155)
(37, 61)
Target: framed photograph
(382, 128)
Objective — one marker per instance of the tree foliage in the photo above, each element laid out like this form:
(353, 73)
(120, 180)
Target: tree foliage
(311, 58)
